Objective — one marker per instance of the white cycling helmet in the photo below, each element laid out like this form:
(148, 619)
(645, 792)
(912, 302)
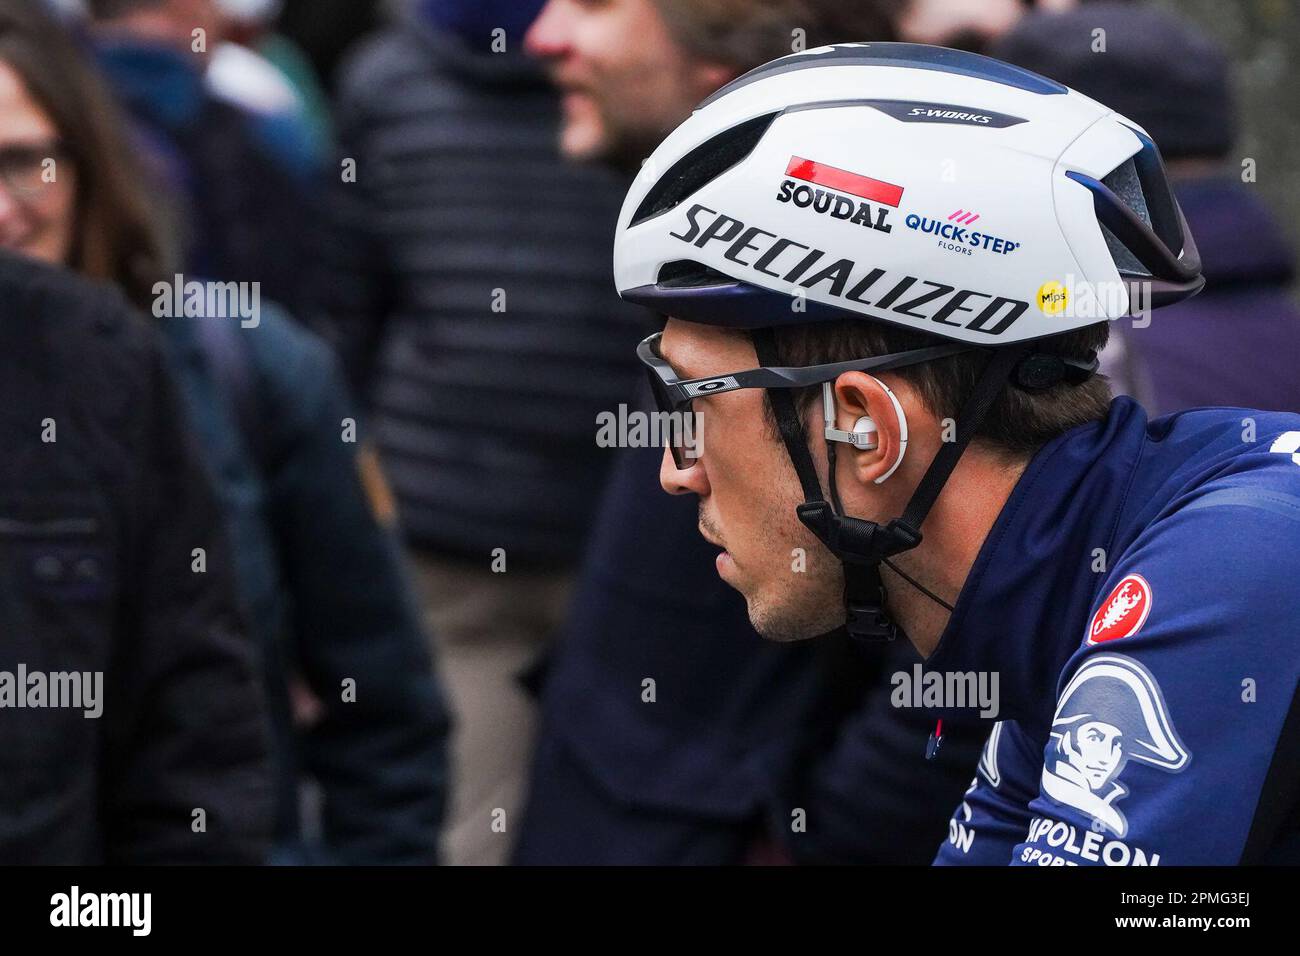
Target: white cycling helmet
(930, 188)
(933, 189)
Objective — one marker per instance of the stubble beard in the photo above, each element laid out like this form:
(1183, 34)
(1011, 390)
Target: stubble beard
(798, 604)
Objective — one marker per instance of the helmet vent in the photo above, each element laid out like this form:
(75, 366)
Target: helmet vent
(1125, 261)
(1123, 182)
(687, 274)
(702, 165)
(1158, 208)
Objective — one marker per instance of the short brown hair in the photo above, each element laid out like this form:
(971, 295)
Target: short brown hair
(748, 33)
(1018, 422)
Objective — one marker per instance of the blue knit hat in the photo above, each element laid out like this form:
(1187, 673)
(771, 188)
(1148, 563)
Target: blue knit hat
(474, 20)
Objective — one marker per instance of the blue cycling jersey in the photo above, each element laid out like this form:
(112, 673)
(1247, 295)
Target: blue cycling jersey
(1139, 600)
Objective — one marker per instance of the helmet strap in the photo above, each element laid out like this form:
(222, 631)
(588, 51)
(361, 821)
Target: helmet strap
(860, 544)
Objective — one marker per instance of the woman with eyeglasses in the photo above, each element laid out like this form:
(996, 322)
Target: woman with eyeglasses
(316, 566)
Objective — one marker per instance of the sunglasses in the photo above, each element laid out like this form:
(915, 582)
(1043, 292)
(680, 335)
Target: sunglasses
(674, 396)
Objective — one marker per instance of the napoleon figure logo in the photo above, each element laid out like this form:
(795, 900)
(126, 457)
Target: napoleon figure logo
(1110, 713)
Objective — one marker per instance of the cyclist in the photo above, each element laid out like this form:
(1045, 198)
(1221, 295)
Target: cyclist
(899, 263)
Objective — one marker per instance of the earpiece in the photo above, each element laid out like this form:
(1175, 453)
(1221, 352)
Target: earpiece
(902, 431)
(863, 436)
(863, 426)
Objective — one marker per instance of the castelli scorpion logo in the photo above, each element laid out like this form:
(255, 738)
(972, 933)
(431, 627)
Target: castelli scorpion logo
(1123, 612)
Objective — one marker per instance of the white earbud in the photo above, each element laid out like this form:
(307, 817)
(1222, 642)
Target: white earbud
(863, 436)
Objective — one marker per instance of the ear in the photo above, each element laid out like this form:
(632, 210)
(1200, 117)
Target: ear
(858, 394)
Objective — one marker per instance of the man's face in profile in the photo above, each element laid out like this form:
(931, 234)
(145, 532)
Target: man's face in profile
(625, 81)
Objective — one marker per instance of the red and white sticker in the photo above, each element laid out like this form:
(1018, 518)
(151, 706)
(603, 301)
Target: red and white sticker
(823, 174)
(1124, 612)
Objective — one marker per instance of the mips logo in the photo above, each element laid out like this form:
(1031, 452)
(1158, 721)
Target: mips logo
(1052, 298)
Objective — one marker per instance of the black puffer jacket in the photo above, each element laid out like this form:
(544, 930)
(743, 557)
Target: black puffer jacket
(102, 505)
(467, 286)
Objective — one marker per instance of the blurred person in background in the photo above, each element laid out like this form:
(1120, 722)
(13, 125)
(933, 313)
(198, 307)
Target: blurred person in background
(249, 206)
(264, 72)
(971, 24)
(327, 30)
(318, 574)
(105, 508)
(465, 282)
(1236, 342)
(738, 732)
(166, 762)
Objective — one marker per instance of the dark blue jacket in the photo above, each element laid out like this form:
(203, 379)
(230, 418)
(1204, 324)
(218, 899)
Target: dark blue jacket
(464, 282)
(103, 501)
(247, 217)
(323, 582)
(321, 579)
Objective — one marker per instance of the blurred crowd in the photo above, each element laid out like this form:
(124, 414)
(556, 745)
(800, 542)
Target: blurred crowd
(308, 318)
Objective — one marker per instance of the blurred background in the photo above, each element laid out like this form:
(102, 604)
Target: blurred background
(449, 595)
(1260, 37)
(1260, 40)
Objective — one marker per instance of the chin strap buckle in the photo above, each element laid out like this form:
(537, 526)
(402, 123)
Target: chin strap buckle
(860, 545)
(869, 622)
(864, 602)
(854, 540)
(818, 518)
(902, 536)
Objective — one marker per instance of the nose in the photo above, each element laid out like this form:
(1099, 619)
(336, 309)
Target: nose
(677, 481)
(548, 37)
